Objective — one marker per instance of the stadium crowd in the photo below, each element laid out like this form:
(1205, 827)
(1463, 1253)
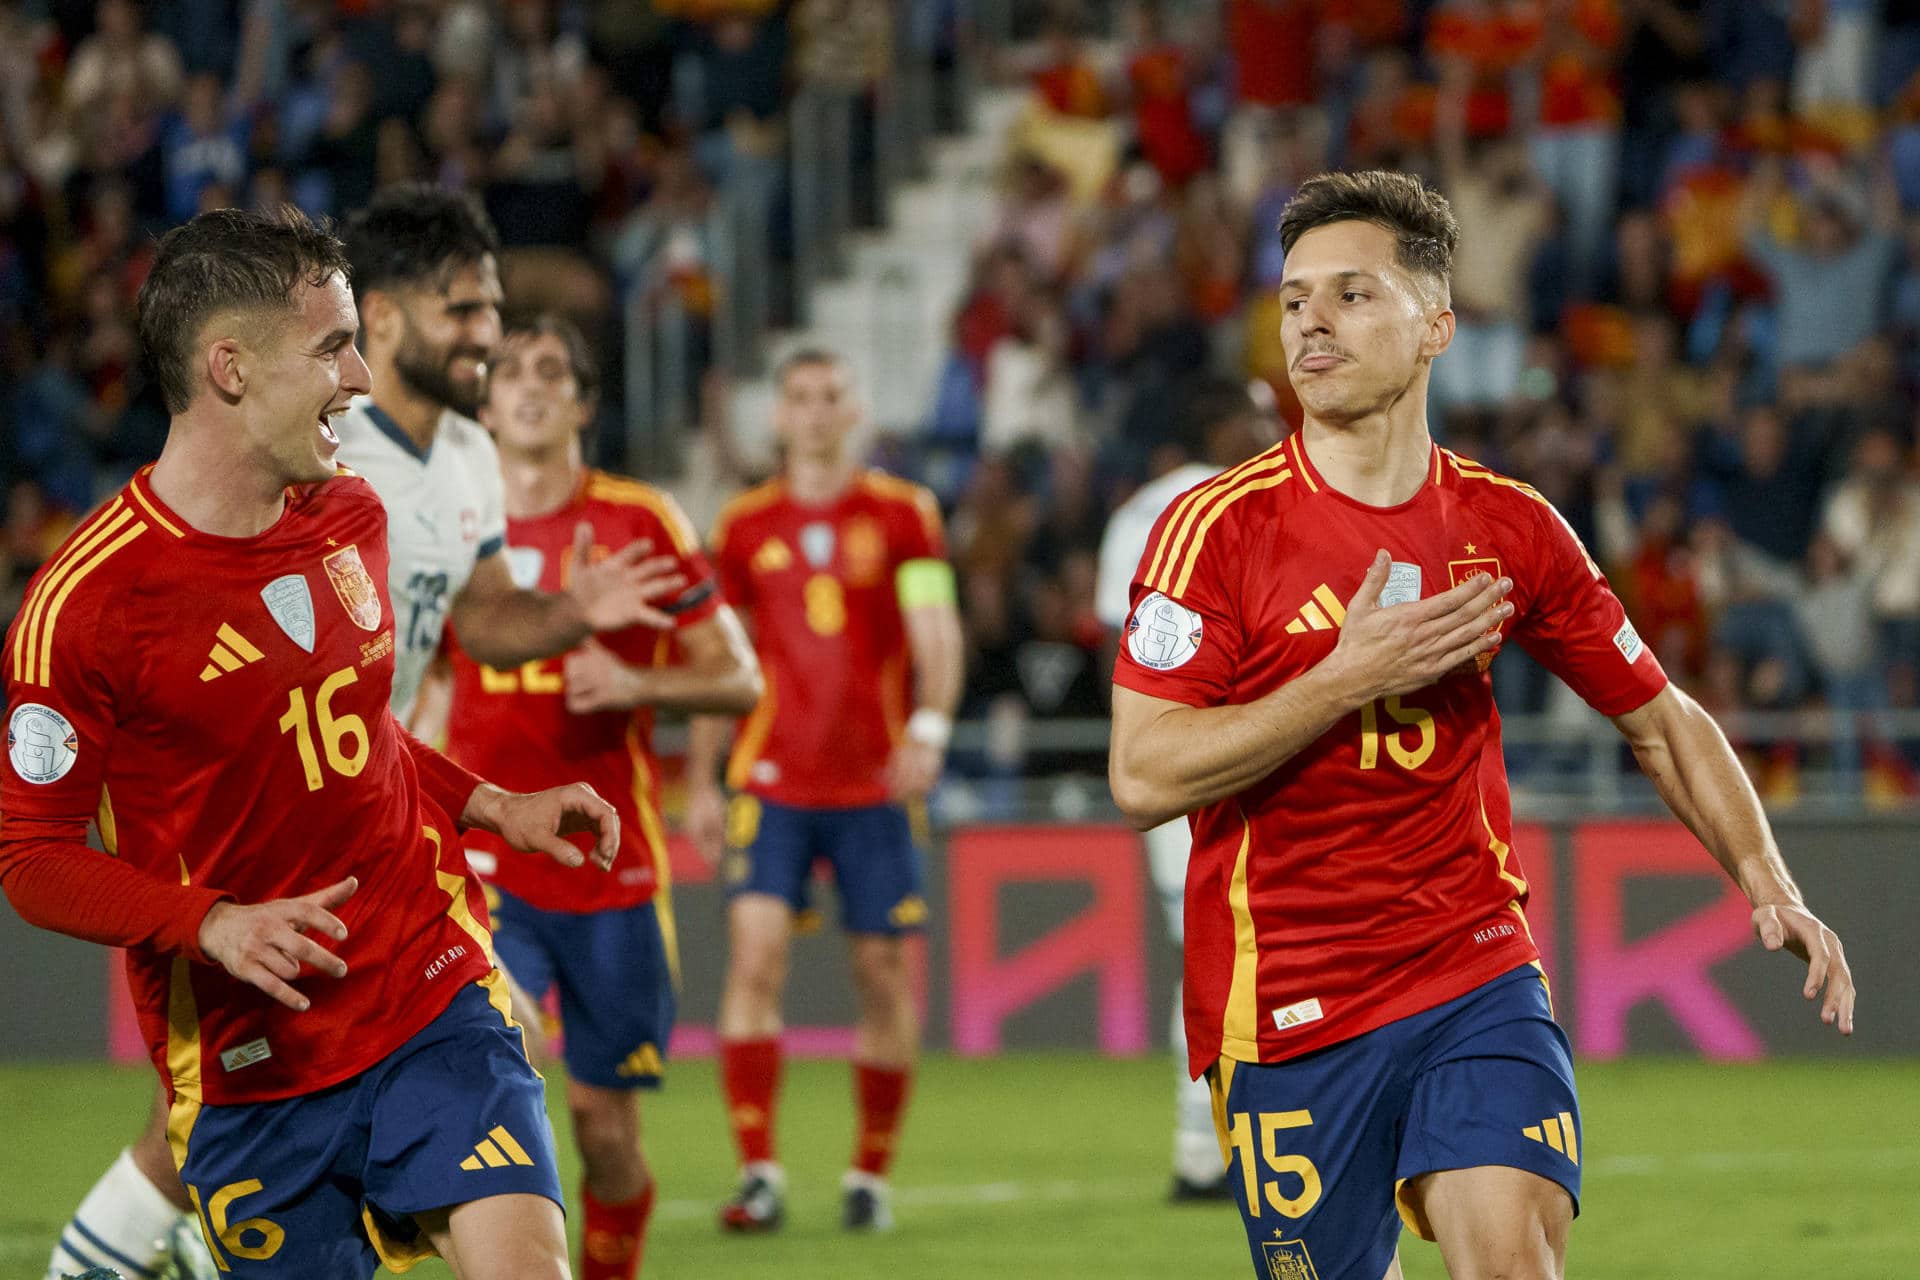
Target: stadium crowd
(1688, 287)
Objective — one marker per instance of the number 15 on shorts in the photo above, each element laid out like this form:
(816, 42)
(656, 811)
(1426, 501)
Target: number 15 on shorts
(1287, 1182)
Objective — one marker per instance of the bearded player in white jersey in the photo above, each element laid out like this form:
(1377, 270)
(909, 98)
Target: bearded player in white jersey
(427, 283)
(1216, 423)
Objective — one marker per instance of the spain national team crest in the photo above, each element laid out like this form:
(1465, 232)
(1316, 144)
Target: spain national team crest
(354, 585)
(866, 551)
(1288, 1260)
(291, 605)
(1458, 571)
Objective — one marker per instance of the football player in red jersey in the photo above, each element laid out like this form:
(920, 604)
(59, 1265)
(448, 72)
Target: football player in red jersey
(203, 671)
(842, 574)
(1304, 674)
(606, 942)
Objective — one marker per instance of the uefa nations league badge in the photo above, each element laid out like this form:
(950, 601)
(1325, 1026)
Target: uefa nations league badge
(41, 744)
(1163, 633)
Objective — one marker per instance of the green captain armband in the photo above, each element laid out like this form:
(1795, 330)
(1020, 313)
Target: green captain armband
(924, 581)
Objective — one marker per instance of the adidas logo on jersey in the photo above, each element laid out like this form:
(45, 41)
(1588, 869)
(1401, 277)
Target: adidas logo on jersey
(229, 653)
(1295, 1014)
(496, 1151)
(1558, 1134)
(1322, 613)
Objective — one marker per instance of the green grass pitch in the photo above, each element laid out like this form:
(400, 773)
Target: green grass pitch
(1053, 1165)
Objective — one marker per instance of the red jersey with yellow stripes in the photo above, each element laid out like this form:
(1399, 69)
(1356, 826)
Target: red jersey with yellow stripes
(818, 583)
(513, 727)
(1370, 877)
(221, 705)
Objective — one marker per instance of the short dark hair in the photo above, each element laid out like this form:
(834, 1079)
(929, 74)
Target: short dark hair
(586, 370)
(1201, 402)
(413, 233)
(1425, 232)
(803, 357)
(224, 260)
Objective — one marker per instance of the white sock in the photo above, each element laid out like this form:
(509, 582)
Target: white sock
(1196, 1144)
(122, 1224)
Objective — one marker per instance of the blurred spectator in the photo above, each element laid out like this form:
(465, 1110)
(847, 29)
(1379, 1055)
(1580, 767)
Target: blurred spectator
(1873, 518)
(1835, 612)
(206, 145)
(1489, 271)
(1157, 86)
(1030, 394)
(122, 55)
(1832, 289)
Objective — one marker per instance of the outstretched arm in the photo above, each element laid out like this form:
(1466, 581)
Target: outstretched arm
(504, 626)
(1683, 752)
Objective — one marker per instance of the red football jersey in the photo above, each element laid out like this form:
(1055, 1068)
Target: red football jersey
(818, 584)
(513, 727)
(221, 705)
(1371, 876)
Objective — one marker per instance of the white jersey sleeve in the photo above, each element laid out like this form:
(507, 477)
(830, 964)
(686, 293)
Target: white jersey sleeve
(446, 510)
(1125, 540)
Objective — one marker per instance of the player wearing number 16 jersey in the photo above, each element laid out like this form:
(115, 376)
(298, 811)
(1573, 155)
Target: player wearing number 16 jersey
(1305, 673)
(203, 670)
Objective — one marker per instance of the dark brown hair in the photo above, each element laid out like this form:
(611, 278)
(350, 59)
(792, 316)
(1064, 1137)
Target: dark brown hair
(225, 260)
(1421, 220)
(586, 370)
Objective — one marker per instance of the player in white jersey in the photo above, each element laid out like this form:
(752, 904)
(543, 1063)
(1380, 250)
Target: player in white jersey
(427, 281)
(427, 284)
(1218, 424)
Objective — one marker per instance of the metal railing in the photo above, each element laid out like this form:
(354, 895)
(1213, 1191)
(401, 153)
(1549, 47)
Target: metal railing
(816, 171)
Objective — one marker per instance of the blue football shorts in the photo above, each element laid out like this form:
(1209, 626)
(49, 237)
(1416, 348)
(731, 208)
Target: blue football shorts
(772, 849)
(1319, 1148)
(617, 973)
(324, 1186)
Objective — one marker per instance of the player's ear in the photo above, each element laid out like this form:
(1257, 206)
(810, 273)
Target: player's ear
(226, 366)
(1440, 326)
(379, 318)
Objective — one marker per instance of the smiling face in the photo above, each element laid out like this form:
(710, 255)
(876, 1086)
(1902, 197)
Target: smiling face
(300, 372)
(533, 396)
(444, 336)
(1360, 327)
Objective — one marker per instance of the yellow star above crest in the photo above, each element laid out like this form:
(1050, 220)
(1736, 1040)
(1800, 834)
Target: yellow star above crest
(1471, 548)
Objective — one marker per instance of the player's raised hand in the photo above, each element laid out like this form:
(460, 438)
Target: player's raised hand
(1403, 647)
(624, 589)
(540, 821)
(265, 945)
(707, 822)
(1798, 930)
(597, 680)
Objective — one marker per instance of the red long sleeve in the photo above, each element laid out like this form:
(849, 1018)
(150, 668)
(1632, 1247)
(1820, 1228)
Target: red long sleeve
(444, 782)
(56, 882)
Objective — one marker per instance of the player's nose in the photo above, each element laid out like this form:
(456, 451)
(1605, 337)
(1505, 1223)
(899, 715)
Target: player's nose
(355, 377)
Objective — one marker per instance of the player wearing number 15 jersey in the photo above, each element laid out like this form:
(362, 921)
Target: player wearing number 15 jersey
(1305, 673)
(203, 670)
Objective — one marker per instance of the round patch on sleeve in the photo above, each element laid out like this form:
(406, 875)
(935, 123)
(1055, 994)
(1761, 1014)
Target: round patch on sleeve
(1162, 633)
(41, 744)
